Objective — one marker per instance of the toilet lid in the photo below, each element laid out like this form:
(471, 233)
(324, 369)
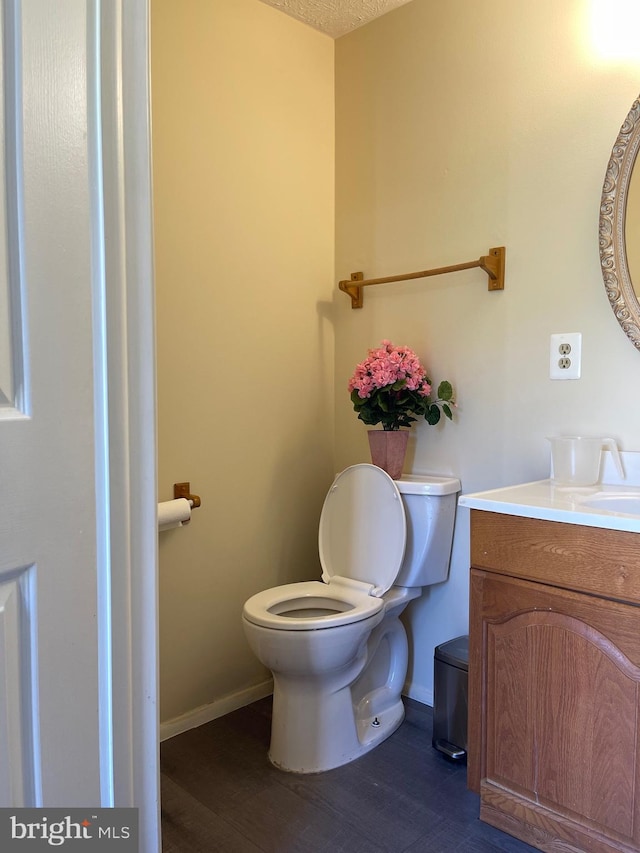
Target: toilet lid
(363, 530)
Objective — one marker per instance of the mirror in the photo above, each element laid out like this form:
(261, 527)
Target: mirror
(620, 228)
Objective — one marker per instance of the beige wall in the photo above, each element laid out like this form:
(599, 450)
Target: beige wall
(243, 147)
(461, 126)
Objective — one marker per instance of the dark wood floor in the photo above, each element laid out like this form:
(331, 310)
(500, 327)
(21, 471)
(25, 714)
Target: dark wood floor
(220, 793)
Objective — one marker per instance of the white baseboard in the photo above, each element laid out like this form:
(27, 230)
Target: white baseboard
(206, 713)
(419, 693)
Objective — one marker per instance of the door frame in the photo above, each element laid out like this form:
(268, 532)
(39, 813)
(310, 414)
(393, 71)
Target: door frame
(124, 98)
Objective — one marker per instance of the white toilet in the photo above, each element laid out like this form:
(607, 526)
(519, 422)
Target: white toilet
(337, 649)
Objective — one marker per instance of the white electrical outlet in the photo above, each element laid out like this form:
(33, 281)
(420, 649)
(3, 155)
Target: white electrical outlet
(565, 355)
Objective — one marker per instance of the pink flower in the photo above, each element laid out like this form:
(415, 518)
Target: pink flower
(391, 387)
(387, 365)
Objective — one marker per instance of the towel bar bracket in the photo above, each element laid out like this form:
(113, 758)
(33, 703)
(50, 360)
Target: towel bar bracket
(354, 290)
(492, 264)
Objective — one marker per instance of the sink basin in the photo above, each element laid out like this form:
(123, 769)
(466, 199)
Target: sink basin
(628, 504)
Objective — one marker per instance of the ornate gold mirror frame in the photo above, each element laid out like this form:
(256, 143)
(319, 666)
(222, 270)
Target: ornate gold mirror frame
(623, 297)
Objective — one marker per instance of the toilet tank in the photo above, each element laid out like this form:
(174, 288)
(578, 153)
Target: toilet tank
(430, 506)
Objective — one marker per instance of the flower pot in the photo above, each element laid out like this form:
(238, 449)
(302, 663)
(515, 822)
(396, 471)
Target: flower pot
(388, 449)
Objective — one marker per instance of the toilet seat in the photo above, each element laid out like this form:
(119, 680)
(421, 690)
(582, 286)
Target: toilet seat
(360, 553)
(282, 607)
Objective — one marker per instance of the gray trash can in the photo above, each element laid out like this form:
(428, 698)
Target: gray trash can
(450, 698)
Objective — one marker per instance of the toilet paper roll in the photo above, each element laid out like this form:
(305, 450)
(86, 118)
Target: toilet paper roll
(173, 513)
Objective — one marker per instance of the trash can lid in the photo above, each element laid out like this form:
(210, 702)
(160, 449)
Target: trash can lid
(455, 652)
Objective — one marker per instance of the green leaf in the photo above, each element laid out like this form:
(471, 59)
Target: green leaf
(432, 415)
(447, 411)
(367, 417)
(445, 391)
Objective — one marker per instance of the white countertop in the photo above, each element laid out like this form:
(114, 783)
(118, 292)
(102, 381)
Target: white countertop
(548, 501)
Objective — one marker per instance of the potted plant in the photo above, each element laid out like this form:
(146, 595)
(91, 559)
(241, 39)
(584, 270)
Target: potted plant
(391, 387)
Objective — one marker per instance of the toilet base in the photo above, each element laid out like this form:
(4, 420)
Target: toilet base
(318, 726)
(310, 743)
(378, 719)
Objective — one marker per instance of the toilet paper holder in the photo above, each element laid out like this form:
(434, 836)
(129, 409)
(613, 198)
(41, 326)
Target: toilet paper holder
(183, 490)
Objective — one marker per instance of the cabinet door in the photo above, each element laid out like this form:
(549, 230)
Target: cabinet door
(558, 690)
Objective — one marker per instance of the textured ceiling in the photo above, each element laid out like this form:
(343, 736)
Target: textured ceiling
(335, 17)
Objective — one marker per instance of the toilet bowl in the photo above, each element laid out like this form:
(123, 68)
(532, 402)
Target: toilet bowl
(337, 649)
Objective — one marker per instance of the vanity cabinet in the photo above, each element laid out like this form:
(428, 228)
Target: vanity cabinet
(554, 682)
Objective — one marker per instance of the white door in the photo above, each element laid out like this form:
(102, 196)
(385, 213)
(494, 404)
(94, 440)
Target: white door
(69, 420)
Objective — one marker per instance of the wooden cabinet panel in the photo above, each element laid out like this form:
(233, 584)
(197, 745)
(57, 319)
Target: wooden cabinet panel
(578, 718)
(588, 559)
(511, 732)
(554, 693)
